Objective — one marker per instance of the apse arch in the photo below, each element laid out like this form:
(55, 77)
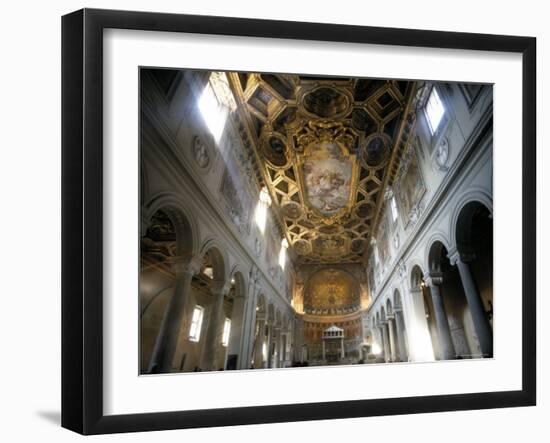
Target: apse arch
(332, 291)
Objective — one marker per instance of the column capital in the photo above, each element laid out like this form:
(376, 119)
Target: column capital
(433, 278)
(187, 264)
(220, 287)
(455, 256)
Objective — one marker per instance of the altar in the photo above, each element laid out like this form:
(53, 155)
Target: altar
(333, 344)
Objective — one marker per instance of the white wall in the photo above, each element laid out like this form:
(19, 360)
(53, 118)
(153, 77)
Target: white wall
(30, 221)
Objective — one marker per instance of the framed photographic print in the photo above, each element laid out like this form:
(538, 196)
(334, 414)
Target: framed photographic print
(273, 221)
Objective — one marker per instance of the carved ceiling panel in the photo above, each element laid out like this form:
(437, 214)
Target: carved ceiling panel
(326, 147)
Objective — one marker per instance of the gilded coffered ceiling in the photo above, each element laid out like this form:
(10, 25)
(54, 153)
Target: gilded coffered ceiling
(326, 148)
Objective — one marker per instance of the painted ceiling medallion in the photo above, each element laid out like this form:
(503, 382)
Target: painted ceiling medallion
(327, 175)
(302, 247)
(274, 149)
(292, 210)
(376, 151)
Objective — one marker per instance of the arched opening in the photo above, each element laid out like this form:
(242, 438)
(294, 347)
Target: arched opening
(474, 241)
(167, 237)
(423, 317)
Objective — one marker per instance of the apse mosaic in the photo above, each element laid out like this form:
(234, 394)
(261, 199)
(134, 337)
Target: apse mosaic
(331, 291)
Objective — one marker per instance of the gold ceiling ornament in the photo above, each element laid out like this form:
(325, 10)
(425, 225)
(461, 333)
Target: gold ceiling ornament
(325, 101)
(324, 147)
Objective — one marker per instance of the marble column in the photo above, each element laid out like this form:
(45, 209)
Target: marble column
(393, 338)
(342, 349)
(381, 342)
(401, 340)
(277, 355)
(215, 327)
(237, 332)
(377, 338)
(324, 349)
(250, 320)
(259, 343)
(167, 338)
(268, 362)
(284, 346)
(298, 339)
(420, 346)
(386, 341)
(477, 310)
(443, 331)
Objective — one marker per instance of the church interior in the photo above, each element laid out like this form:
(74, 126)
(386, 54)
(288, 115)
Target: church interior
(297, 220)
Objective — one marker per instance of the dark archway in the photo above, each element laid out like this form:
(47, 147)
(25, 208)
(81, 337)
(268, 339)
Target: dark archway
(474, 234)
(474, 258)
(167, 237)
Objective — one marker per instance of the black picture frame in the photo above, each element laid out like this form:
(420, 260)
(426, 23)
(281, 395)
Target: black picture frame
(82, 218)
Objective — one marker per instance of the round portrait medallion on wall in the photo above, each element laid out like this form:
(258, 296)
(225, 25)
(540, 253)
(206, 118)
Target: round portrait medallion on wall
(201, 153)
